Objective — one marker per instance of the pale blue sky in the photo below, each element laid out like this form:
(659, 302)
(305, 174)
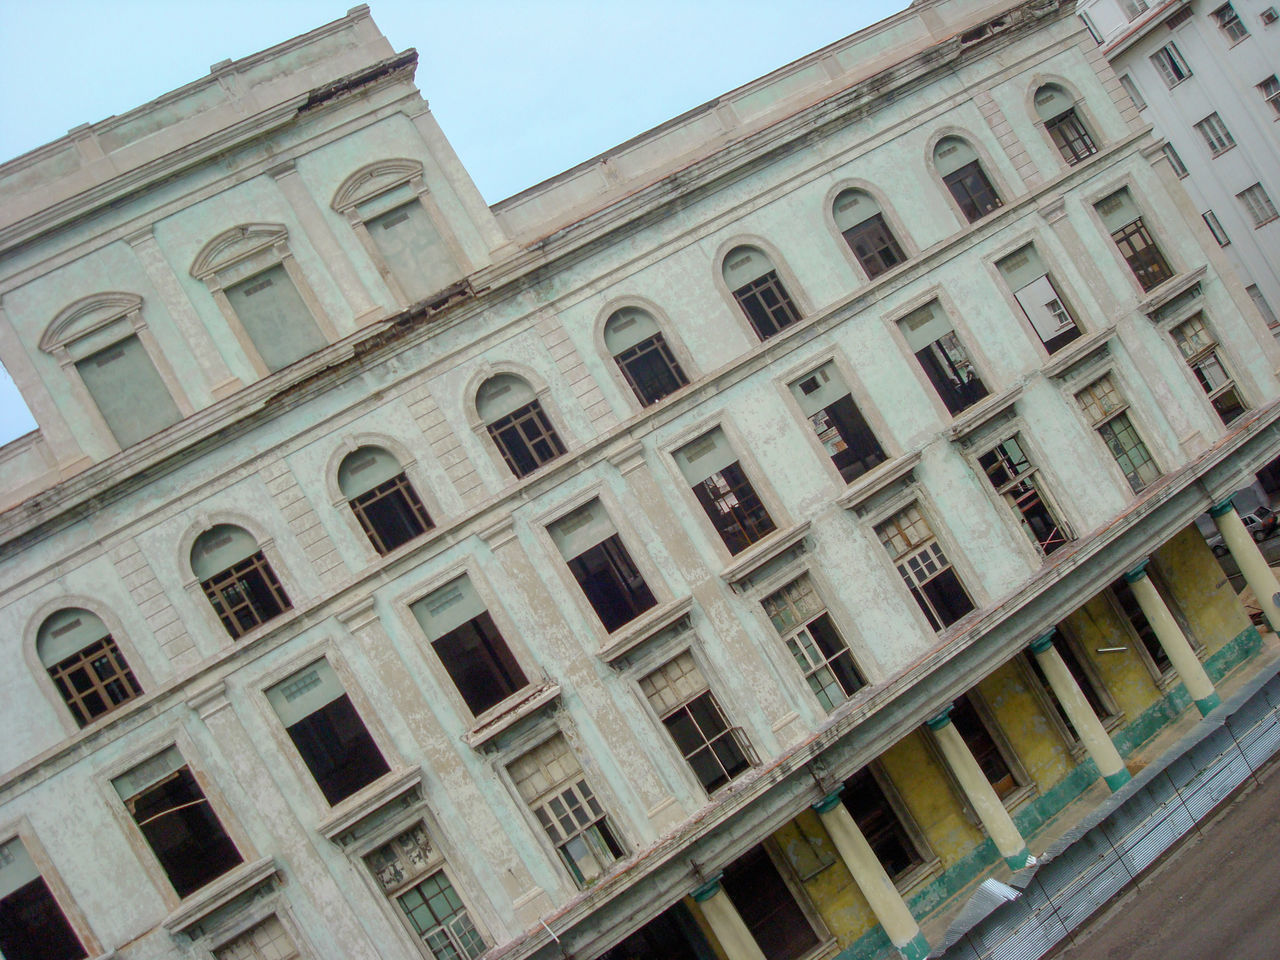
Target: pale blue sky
(523, 90)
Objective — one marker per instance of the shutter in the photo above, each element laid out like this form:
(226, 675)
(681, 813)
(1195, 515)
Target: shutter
(744, 264)
(67, 632)
(582, 530)
(16, 868)
(365, 468)
(924, 326)
(1052, 101)
(448, 608)
(709, 454)
(148, 773)
(305, 692)
(820, 389)
(853, 207)
(128, 391)
(1118, 210)
(500, 395)
(626, 328)
(221, 547)
(951, 154)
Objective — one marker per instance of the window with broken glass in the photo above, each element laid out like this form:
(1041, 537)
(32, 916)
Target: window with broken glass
(410, 873)
(824, 398)
(1200, 350)
(724, 492)
(754, 281)
(1123, 220)
(32, 924)
(1043, 306)
(85, 664)
(1107, 412)
(642, 353)
(862, 224)
(599, 561)
(1017, 480)
(942, 356)
(810, 636)
(550, 780)
(382, 498)
(237, 579)
(915, 551)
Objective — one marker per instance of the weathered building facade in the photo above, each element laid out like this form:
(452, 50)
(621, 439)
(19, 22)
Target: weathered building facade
(737, 546)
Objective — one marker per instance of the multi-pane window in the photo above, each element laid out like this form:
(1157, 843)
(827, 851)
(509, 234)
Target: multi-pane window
(1215, 227)
(924, 568)
(1064, 126)
(1258, 204)
(32, 924)
(1017, 480)
(810, 636)
(1123, 220)
(268, 940)
(732, 505)
(1039, 299)
(237, 579)
(1107, 412)
(327, 731)
(1170, 65)
(599, 561)
(469, 645)
(641, 351)
(842, 430)
(862, 224)
(85, 664)
(128, 391)
(380, 495)
(1132, 90)
(1270, 90)
(1200, 350)
(1175, 161)
(754, 281)
(177, 821)
(1133, 9)
(945, 361)
(958, 165)
(275, 317)
(1216, 135)
(408, 870)
(1230, 23)
(519, 428)
(550, 780)
(880, 823)
(982, 744)
(716, 751)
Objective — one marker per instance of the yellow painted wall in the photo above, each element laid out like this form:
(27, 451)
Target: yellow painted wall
(1199, 588)
(1023, 717)
(1099, 624)
(806, 845)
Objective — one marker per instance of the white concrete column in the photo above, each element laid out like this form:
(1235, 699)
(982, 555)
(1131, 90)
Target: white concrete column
(1248, 557)
(1171, 637)
(726, 923)
(981, 795)
(1090, 729)
(870, 876)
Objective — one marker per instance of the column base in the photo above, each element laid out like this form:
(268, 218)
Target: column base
(917, 948)
(1208, 704)
(1118, 779)
(1019, 860)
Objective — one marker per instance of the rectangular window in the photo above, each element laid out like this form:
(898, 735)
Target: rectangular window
(1017, 480)
(128, 391)
(246, 595)
(1099, 701)
(651, 369)
(1215, 227)
(407, 869)
(1170, 65)
(767, 305)
(1264, 308)
(1133, 9)
(982, 744)
(1216, 135)
(924, 568)
(875, 246)
(679, 695)
(1258, 204)
(1270, 90)
(1175, 161)
(932, 339)
(1122, 219)
(550, 780)
(1131, 89)
(526, 439)
(32, 924)
(1033, 288)
(1230, 23)
(806, 629)
(268, 940)
(470, 648)
(1107, 412)
(1070, 137)
(722, 488)
(880, 823)
(275, 317)
(825, 399)
(177, 821)
(330, 736)
(1200, 350)
(599, 561)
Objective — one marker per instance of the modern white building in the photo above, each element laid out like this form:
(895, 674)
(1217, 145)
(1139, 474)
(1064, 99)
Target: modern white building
(1206, 75)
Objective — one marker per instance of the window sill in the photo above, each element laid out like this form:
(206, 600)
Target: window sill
(1259, 226)
(1069, 357)
(915, 876)
(1170, 290)
(510, 712)
(872, 482)
(646, 627)
(201, 904)
(982, 413)
(383, 791)
(772, 547)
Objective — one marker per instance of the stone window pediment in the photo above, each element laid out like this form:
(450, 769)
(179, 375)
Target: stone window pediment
(233, 246)
(373, 180)
(88, 316)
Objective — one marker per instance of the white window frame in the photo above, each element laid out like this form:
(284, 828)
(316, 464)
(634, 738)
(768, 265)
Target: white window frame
(1229, 22)
(1175, 161)
(1258, 204)
(1131, 89)
(1270, 90)
(1215, 227)
(1133, 9)
(1216, 135)
(1171, 65)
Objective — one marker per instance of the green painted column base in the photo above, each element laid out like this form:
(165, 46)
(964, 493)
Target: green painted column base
(1208, 704)
(915, 949)
(1018, 860)
(1118, 779)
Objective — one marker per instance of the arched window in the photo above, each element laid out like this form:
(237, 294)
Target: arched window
(237, 578)
(752, 277)
(633, 339)
(383, 500)
(860, 220)
(520, 429)
(1058, 111)
(85, 664)
(958, 165)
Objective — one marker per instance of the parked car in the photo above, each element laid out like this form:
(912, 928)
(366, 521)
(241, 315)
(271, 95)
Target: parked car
(1261, 523)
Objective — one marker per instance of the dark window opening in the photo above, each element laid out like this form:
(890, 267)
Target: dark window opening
(33, 926)
(768, 907)
(952, 374)
(391, 514)
(1082, 679)
(479, 663)
(879, 823)
(95, 680)
(1017, 481)
(613, 585)
(875, 246)
(246, 594)
(673, 935)
(767, 305)
(1070, 137)
(651, 369)
(1132, 611)
(972, 191)
(338, 750)
(734, 508)
(845, 435)
(1142, 255)
(526, 439)
(715, 750)
(183, 832)
(933, 582)
(983, 747)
